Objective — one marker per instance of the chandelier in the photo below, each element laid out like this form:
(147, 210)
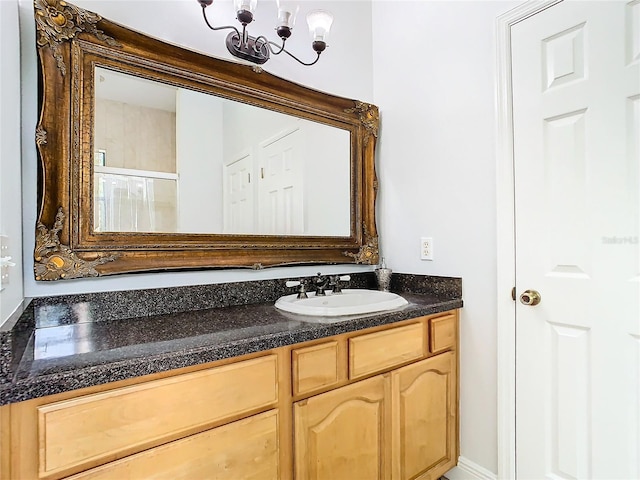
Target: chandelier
(258, 49)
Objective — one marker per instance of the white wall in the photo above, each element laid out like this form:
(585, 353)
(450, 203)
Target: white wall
(433, 65)
(345, 69)
(327, 165)
(199, 158)
(434, 84)
(10, 211)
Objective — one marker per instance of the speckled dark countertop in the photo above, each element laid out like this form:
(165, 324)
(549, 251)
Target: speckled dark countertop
(59, 344)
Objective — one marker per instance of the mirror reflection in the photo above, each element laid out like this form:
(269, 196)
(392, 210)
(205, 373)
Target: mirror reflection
(174, 160)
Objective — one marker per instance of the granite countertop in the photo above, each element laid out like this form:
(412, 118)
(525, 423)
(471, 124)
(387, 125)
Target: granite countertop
(68, 343)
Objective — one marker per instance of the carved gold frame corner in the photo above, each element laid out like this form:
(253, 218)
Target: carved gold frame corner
(369, 253)
(369, 115)
(55, 261)
(58, 21)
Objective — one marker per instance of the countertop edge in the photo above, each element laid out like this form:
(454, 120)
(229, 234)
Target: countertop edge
(59, 382)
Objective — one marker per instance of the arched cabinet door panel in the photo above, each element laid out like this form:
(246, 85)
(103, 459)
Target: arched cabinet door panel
(342, 434)
(423, 409)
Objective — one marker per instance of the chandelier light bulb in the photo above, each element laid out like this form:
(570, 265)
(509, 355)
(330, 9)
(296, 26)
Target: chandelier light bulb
(249, 5)
(287, 11)
(319, 22)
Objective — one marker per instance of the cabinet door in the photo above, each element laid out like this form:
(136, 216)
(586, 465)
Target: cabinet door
(423, 409)
(341, 435)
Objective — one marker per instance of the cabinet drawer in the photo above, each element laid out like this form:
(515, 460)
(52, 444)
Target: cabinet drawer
(376, 351)
(315, 367)
(442, 333)
(109, 425)
(244, 449)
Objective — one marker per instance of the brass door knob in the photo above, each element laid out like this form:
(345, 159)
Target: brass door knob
(530, 297)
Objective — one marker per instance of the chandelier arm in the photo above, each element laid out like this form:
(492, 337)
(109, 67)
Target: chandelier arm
(226, 27)
(296, 58)
(269, 43)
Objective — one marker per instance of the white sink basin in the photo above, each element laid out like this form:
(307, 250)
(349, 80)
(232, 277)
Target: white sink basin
(349, 302)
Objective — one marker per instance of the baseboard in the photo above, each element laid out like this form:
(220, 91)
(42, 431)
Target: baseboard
(468, 470)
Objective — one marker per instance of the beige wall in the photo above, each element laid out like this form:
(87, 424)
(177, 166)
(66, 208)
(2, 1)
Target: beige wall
(135, 137)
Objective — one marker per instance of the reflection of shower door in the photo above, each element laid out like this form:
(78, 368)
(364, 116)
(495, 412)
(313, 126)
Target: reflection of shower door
(238, 195)
(128, 200)
(280, 205)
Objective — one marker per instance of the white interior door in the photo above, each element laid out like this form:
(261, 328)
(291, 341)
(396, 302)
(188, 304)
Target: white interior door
(281, 200)
(576, 107)
(238, 195)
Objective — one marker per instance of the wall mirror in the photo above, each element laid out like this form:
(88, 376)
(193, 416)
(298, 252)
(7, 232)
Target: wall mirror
(154, 157)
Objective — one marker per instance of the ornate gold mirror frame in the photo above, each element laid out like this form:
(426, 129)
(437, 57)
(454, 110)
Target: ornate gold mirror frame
(71, 43)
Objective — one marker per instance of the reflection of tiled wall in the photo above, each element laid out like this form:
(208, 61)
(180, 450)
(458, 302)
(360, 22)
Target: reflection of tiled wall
(136, 137)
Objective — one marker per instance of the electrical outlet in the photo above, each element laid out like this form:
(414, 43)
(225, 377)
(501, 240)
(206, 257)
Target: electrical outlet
(426, 248)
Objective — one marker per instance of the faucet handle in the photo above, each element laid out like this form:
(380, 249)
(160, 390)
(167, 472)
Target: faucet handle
(335, 282)
(301, 284)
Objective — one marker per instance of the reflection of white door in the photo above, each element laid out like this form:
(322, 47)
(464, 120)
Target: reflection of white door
(576, 106)
(238, 195)
(281, 201)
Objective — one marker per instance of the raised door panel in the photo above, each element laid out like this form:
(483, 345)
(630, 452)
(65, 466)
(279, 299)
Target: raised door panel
(93, 429)
(246, 449)
(424, 407)
(341, 435)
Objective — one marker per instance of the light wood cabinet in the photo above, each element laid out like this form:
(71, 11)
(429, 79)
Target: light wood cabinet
(401, 425)
(95, 427)
(342, 434)
(380, 403)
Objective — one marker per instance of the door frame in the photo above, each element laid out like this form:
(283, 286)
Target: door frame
(506, 247)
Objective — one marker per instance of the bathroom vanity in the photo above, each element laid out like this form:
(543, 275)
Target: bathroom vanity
(373, 396)
(379, 403)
